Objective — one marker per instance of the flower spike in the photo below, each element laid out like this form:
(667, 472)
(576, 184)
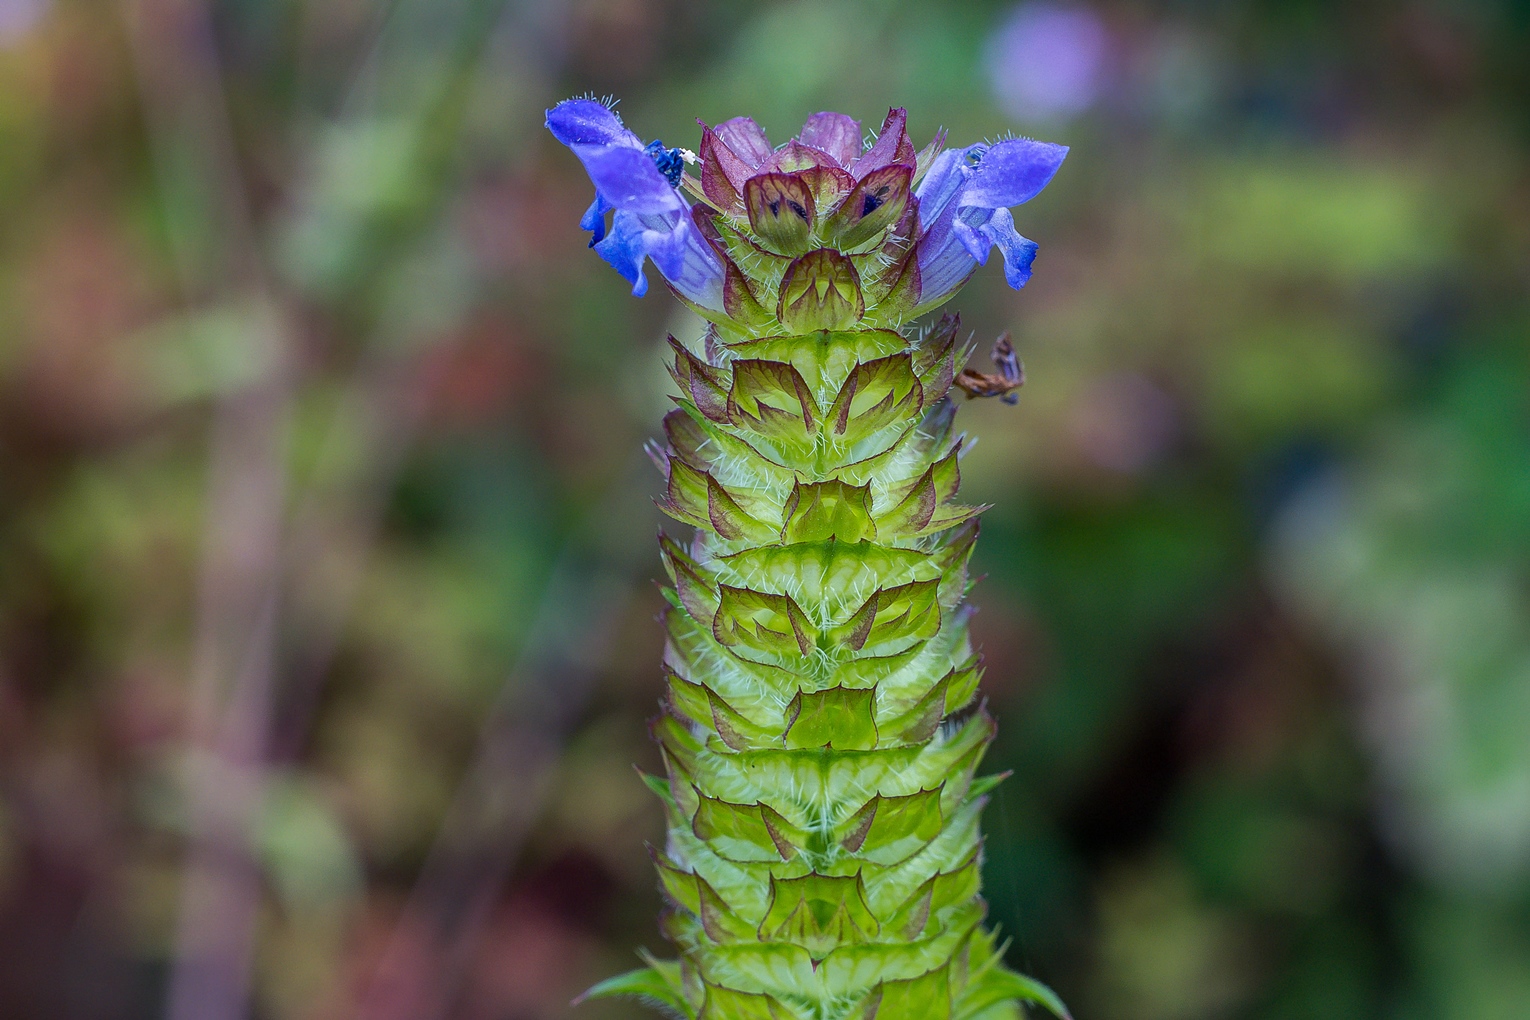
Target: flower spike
(822, 726)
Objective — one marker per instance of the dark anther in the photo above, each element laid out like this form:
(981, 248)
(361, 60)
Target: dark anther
(870, 204)
(798, 209)
(669, 161)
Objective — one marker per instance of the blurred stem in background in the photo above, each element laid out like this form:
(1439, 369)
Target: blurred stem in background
(247, 561)
(421, 971)
(233, 668)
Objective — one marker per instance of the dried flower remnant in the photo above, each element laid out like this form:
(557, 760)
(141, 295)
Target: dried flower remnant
(822, 727)
(1004, 383)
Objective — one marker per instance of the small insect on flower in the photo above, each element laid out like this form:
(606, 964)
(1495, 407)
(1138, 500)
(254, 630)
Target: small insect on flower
(671, 162)
(1010, 377)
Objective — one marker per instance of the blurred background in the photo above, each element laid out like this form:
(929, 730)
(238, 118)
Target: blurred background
(327, 636)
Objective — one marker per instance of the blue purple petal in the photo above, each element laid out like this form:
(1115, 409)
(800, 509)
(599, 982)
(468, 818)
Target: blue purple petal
(586, 122)
(1018, 251)
(942, 183)
(624, 248)
(944, 264)
(698, 274)
(1013, 172)
(628, 179)
(964, 202)
(594, 219)
(652, 219)
(680, 253)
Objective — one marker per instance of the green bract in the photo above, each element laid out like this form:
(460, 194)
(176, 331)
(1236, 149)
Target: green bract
(822, 728)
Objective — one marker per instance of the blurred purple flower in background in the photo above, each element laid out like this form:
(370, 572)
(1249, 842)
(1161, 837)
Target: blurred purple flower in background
(18, 18)
(1046, 61)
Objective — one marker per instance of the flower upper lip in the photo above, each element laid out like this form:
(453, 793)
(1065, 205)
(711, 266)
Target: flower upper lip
(623, 172)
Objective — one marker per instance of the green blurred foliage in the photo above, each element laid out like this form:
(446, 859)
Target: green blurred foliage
(296, 326)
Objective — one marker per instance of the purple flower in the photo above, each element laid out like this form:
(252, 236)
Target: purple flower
(964, 203)
(651, 218)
